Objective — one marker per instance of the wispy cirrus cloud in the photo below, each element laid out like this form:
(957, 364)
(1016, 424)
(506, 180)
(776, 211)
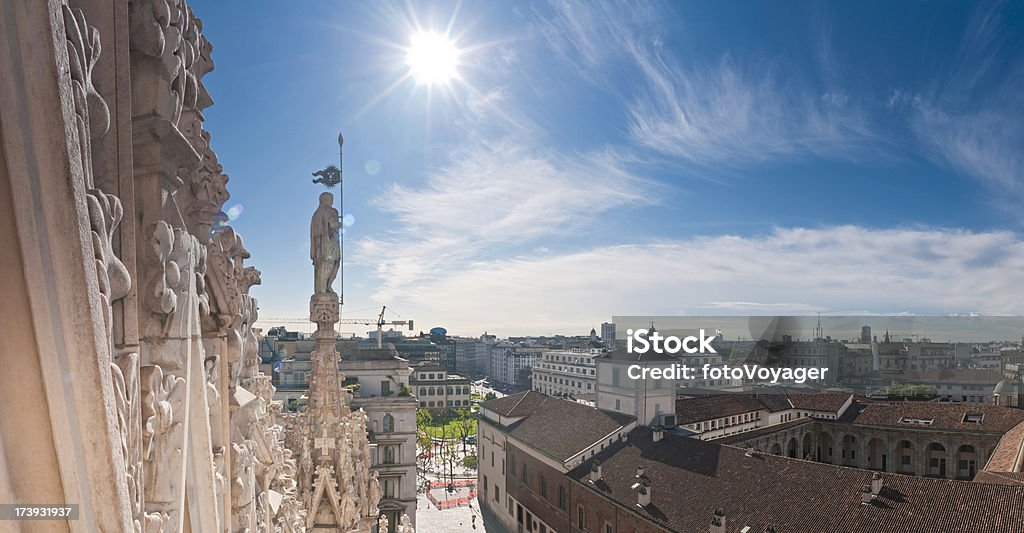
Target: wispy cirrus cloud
(787, 271)
(724, 112)
(970, 119)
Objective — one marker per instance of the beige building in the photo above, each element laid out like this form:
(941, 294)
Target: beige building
(437, 390)
(566, 373)
(651, 401)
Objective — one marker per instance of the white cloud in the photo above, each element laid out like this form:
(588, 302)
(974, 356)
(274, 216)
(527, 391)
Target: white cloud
(717, 113)
(985, 145)
(787, 271)
(501, 188)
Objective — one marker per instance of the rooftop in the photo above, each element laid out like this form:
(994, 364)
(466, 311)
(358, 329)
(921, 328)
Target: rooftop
(700, 408)
(991, 418)
(691, 478)
(557, 427)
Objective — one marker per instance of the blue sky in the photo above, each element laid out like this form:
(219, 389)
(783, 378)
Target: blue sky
(631, 158)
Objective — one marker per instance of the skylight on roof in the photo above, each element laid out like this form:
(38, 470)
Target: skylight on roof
(916, 421)
(973, 418)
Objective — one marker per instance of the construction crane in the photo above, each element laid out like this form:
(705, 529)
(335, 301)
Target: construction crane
(379, 322)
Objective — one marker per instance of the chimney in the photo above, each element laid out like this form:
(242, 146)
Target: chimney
(718, 522)
(876, 484)
(595, 471)
(659, 433)
(643, 493)
(865, 495)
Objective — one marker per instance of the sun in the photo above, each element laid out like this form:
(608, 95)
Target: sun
(432, 58)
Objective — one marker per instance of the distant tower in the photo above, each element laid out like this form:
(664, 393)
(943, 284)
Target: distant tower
(865, 334)
(886, 338)
(593, 335)
(607, 331)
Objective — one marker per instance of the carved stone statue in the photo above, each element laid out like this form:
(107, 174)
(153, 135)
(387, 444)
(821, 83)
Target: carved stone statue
(382, 524)
(324, 245)
(405, 524)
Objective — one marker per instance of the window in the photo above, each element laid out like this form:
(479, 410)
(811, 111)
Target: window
(389, 488)
(615, 377)
(526, 475)
(512, 458)
(581, 517)
(608, 528)
(388, 455)
(561, 498)
(497, 493)
(543, 487)
(618, 405)
(423, 391)
(389, 424)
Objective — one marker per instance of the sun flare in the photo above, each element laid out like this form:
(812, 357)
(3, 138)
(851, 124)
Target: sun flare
(432, 58)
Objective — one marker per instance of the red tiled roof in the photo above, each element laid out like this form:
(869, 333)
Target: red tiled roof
(700, 408)
(1008, 456)
(995, 419)
(691, 478)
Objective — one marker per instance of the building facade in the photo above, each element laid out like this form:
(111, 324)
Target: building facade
(511, 364)
(566, 373)
(437, 390)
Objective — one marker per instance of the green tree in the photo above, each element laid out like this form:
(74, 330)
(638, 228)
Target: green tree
(490, 396)
(424, 420)
(464, 425)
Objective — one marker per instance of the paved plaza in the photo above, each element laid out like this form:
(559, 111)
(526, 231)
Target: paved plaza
(430, 519)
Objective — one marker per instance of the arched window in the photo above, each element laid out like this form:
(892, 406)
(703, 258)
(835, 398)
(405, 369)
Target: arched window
(388, 455)
(562, 503)
(449, 389)
(389, 424)
(423, 391)
(581, 517)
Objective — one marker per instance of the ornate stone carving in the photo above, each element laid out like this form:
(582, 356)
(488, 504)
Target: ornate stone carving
(405, 524)
(163, 435)
(169, 56)
(125, 376)
(323, 308)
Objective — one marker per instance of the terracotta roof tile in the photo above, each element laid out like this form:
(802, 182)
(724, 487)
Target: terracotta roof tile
(560, 428)
(691, 478)
(994, 419)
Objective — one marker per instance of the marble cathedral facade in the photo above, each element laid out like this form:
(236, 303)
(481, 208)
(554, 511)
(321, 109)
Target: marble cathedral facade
(130, 383)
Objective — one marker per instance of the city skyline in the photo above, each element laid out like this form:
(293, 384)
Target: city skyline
(603, 158)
